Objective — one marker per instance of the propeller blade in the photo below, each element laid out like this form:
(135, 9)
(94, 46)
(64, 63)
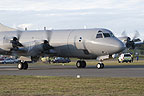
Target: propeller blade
(19, 33)
(49, 33)
(137, 40)
(131, 41)
(124, 34)
(15, 42)
(136, 35)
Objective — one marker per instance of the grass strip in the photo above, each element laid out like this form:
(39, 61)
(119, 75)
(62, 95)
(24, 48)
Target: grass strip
(70, 86)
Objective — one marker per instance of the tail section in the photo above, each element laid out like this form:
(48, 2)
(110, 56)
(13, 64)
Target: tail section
(4, 28)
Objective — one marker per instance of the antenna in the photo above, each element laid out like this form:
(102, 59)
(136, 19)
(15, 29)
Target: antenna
(44, 28)
(26, 29)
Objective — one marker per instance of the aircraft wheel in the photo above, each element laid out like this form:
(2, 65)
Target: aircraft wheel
(100, 65)
(25, 65)
(20, 66)
(81, 64)
(119, 61)
(78, 64)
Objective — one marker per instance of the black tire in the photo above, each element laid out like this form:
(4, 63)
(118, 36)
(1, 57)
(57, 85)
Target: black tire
(119, 61)
(20, 66)
(25, 65)
(100, 65)
(83, 64)
(78, 64)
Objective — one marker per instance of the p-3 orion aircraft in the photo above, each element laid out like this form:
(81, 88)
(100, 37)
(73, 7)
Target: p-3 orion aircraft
(78, 43)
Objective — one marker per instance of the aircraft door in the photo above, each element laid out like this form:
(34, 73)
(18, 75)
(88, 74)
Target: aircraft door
(76, 40)
(77, 44)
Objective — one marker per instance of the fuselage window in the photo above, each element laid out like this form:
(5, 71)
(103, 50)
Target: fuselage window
(106, 35)
(99, 36)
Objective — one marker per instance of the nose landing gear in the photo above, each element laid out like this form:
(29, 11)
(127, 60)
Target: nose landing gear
(100, 65)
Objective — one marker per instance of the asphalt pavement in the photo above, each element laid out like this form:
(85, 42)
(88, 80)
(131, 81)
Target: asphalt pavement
(89, 71)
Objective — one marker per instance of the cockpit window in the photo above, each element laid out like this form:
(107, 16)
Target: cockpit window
(99, 31)
(106, 35)
(99, 35)
(112, 35)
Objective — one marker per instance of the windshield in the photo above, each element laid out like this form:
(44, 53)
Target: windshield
(127, 55)
(106, 35)
(112, 35)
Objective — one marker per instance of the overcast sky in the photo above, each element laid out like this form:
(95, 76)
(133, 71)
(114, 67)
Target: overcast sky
(116, 15)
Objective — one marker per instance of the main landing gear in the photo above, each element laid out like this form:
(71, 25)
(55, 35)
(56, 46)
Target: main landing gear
(82, 64)
(22, 65)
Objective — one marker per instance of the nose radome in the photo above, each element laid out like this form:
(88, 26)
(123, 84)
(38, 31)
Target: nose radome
(120, 46)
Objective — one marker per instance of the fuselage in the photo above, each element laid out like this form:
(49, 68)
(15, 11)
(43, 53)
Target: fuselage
(80, 43)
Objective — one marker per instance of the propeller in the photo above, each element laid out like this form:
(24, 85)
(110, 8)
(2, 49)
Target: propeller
(130, 43)
(19, 33)
(48, 33)
(135, 38)
(124, 34)
(15, 41)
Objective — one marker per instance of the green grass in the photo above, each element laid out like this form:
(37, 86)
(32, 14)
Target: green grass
(70, 86)
(106, 62)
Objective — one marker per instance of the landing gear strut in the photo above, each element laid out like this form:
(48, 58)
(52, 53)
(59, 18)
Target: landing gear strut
(81, 64)
(22, 65)
(100, 65)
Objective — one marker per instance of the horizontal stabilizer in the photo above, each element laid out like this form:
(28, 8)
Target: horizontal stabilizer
(4, 28)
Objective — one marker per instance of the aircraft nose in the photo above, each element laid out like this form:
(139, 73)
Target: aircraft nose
(119, 46)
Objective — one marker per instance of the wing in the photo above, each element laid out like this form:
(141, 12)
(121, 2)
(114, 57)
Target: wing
(6, 28)
(34, 48)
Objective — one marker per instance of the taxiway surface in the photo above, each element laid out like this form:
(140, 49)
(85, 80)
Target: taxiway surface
(90, 71)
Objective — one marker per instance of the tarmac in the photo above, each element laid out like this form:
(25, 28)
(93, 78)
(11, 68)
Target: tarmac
(89, 71)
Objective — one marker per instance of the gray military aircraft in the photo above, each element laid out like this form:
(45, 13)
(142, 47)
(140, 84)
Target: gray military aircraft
(77, 43)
